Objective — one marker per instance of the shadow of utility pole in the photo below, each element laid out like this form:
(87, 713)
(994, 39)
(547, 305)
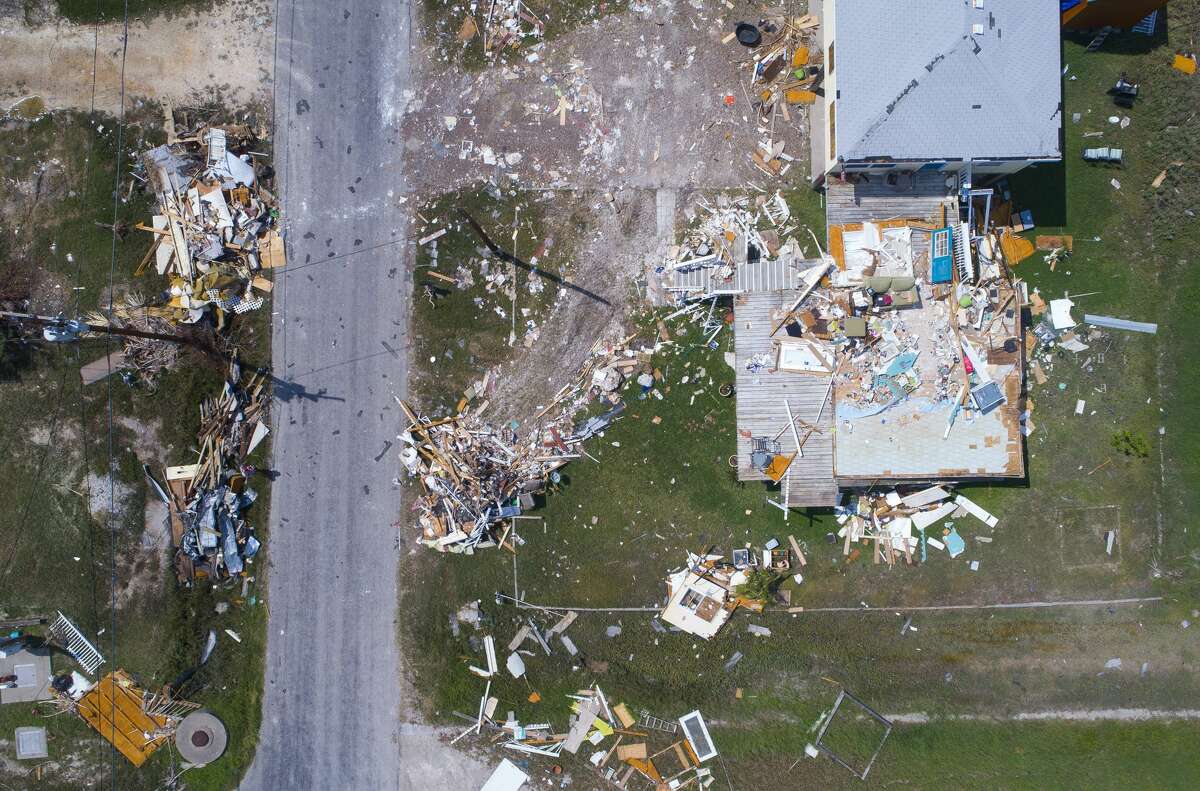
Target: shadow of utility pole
(285, 391)
(504, 255)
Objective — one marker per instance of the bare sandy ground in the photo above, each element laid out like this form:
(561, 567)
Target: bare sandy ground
(226, 52)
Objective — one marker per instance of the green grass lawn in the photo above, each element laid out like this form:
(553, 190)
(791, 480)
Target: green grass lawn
(113, 10)
(55, 552)
(1030, 756)
(658, 488)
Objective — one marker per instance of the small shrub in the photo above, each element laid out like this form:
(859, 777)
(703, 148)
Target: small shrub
(758, 586)
(1131, 444)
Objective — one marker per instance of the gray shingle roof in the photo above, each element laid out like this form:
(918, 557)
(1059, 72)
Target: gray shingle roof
(913, 82)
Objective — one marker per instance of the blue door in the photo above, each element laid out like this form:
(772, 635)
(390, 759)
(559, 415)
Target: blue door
(941, 245)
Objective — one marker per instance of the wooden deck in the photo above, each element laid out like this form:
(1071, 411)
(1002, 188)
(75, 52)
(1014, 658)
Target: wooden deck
(922, 198)
(760, 405)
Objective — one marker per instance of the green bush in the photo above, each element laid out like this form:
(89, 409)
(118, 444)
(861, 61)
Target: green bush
(758, 586)
(1131, 444)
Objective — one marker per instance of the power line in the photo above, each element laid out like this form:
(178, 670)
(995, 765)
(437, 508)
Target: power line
(87, 189)
(112, 269)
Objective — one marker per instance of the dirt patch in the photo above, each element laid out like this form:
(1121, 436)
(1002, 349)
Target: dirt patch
(617, 240)
(146, 445)
(646, 93)
(51, 293)
(191, 58)
(613, 134)
(140, 571)
(107, 495)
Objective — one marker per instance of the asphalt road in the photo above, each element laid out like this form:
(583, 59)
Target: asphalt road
(331, 710)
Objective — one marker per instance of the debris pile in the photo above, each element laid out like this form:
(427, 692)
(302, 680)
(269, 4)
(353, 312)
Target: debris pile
(213, 539)
(698, 596)
(738, 244)
(144, 357)
(216, 230)
(785, 72)
(617, 744)
(895, 353)
(474, 476)
(509, 23)
(704, 594)
(135, 721)
(899, 527)
(478, 478)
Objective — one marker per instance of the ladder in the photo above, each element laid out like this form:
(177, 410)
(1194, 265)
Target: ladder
(1098, 41)
(648, 720)
(963, 263)
(1146, 26)
(76, 644)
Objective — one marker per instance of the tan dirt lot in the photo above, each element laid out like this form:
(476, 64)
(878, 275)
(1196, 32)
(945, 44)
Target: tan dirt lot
(227, 52)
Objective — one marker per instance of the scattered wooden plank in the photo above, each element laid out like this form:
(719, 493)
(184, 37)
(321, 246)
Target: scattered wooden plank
(796, 551)
(627, 751)
(681, 756)
(96, 370)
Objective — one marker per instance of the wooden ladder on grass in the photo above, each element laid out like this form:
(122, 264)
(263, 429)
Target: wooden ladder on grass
(648, 720)
(1098, 41)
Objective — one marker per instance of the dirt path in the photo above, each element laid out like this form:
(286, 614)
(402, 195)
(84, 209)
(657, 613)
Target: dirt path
(1074, 715)
(226, 52)
(620, 234)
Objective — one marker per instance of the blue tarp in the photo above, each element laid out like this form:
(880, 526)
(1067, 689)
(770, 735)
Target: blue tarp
(954, 543)
(901, 363)
(233, 561)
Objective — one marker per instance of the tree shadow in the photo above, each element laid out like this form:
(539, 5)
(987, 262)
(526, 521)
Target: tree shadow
(17, 353)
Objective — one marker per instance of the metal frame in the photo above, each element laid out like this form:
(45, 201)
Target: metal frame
(842, 695)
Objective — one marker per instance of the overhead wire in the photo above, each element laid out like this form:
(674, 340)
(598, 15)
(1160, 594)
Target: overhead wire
(118, 161)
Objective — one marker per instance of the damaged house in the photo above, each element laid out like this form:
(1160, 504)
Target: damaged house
(930, 85)
(896, 357)
(699, 600)
(904, 366)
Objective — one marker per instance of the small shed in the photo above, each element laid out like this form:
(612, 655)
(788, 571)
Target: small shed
(31, 666)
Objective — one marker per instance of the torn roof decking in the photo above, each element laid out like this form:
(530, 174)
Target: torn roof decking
(906, 441)
(760, 404)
